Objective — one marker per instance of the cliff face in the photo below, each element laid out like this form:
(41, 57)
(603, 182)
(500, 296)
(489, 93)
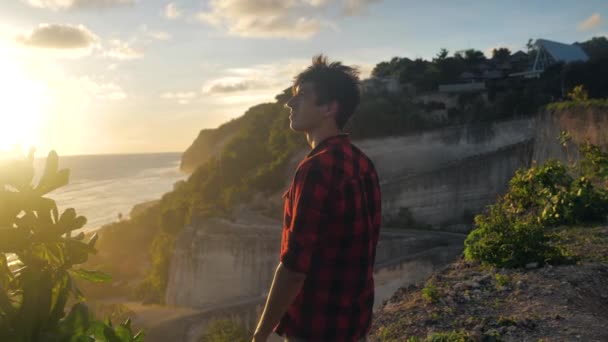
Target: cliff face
(444, 177)
(216, 261)
(448, 197)
(583, 123)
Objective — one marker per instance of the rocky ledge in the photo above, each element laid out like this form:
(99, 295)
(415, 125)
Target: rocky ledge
(467, 301)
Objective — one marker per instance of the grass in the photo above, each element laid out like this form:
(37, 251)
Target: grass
(584, 243)
(502, 280)
(601, 103)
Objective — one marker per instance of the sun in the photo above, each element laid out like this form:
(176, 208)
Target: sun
(21, 104)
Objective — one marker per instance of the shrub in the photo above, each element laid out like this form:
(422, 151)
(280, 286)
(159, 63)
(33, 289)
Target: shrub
(430, 292)
(578, 93)
(39, 256)
(502, 280)
(514, 231)
(502, 240)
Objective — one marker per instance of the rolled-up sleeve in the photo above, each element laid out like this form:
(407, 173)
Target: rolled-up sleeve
(308, 202)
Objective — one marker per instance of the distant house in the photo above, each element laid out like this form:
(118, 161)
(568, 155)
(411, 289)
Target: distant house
(549, 52)
(518, 57)
(378, 84)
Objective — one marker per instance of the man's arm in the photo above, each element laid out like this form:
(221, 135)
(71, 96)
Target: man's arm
(284, 289)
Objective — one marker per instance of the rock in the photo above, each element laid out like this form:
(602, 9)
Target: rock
(501, 288)
(531, 265)
(482, 278)
(493, 333)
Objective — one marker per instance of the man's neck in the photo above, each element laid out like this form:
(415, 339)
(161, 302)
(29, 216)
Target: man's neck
(315, 137)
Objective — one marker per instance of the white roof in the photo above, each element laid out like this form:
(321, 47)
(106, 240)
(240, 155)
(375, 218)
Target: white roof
(562, 52)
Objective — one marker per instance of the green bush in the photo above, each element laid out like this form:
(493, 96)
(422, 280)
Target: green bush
(515, 231)
(504, 241)
(39, 256)
(430, 292)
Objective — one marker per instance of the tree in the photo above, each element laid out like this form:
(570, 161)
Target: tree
(501, 55)
(441, 56)
(596, 47)
(450, 69)
(473, 57)
(530, 45)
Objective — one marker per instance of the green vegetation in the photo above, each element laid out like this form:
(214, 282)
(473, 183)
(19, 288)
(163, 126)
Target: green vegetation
(578, 97)
(502, 280)
(224, 331)
(452, 336)
(39, 258)
(587, 244)
(516, 230)
(430, 292)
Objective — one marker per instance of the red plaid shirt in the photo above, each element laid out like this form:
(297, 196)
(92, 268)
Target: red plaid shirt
(330, 232)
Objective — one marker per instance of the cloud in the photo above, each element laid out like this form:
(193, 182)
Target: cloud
(250, 85)
(356, 7)
(101, 91)
(122, 50)
(159, 35)
(68, 4)
(59, 36)
(172, 12)
(291, 19)
(180, 97)
(593, 21)
(269, 78)
(233, 86)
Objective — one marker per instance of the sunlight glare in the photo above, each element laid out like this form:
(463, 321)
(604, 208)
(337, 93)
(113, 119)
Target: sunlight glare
(22, 102)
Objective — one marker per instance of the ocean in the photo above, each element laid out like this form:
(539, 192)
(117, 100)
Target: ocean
(103, 186)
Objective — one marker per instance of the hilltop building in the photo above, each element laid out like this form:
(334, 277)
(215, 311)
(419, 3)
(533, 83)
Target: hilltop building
(548, 52)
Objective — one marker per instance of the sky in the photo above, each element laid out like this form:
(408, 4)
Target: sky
(143, 76)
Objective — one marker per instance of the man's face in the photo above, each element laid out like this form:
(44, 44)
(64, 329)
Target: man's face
(306, 115)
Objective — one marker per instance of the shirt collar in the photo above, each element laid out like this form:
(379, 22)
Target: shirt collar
(338, 138)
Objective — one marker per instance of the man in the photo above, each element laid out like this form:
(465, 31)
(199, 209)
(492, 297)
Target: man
(323, 287)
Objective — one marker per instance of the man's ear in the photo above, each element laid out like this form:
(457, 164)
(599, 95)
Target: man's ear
(332, 108)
